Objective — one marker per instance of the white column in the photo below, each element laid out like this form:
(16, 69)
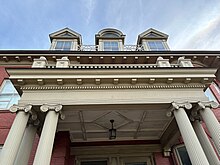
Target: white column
(211, 121)
(26, 145)
(194, 149)
(14, 138)
(114, 161)
(205, 143)
(45, 146)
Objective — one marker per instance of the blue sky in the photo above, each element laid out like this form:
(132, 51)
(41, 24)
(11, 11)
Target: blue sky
(190, 24)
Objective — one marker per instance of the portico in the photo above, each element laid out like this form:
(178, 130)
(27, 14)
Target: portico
(141, 111)
(69, 97)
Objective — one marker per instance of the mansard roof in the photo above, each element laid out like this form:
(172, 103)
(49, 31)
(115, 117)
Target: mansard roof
(151, 34)
(66, 33)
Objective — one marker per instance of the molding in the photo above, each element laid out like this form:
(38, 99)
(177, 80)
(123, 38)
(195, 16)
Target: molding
(111, 87)
(111, 73)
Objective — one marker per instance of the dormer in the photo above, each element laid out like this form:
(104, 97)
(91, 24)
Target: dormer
(110, 40)
(153, 40)
(65, 39)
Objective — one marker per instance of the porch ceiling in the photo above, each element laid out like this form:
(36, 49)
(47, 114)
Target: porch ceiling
(132, 122)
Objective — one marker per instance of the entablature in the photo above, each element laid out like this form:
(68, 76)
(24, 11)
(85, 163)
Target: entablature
(70, 78)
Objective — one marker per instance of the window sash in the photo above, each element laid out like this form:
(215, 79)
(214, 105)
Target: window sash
(156, 45)
(63, 45)
(111, 46)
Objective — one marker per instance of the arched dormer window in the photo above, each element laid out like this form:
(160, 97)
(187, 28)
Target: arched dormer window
(110, 40)
(153, 40)
(65, 39)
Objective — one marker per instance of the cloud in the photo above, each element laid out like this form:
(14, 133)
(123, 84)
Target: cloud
(207, 37)
(89, 8)
(190, 24)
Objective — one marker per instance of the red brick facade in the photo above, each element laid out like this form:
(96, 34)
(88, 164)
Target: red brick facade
(61, 150)
(161, 160)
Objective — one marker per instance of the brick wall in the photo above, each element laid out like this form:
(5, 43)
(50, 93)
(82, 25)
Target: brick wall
(3, 74)
(61, 149)
(161, 160)
(6, 120)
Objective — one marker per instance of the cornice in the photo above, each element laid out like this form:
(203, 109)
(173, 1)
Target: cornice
(25, 57)
(88, 77)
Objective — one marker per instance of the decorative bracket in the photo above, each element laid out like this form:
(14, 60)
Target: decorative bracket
(166, 152)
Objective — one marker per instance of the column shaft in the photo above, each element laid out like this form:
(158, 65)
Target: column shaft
(45, 146)
(114, 161)
(205, 143)
(194, 149)
(26, 145)
(14, 138)
(212, 125)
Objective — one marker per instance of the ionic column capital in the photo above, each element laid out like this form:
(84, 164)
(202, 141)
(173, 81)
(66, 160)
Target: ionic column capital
(202, 105)
(185, 105)
(177, 106)
(26, 108)
(53, 107)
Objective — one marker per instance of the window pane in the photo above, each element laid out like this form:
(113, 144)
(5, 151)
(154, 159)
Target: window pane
(3, 105)
(156, 45)
(184, 155)
(67, 45)
(14, 100)
(8, 95)
(152, 45)
(110, 35)
(111, 46)
(59, 45)
(7, 87)
(210, 95)
(63, 45)
(159, 45)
